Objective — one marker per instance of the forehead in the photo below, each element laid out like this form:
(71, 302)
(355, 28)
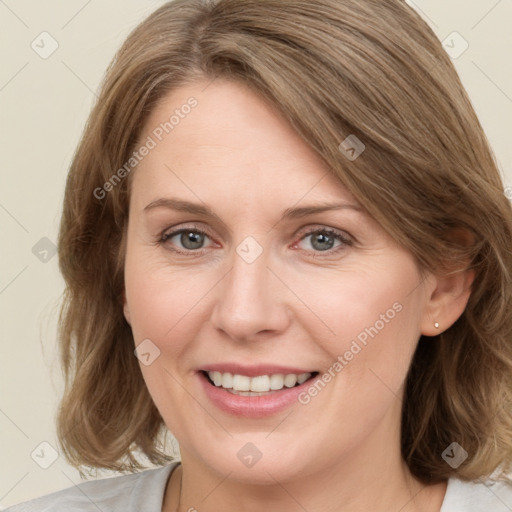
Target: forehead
(222, 134)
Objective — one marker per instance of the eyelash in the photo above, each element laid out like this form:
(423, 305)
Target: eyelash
(345, 241)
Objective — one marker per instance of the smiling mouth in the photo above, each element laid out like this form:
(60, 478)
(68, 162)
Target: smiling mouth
(260, 385)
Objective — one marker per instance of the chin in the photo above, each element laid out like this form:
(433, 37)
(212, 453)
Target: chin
(252, 459)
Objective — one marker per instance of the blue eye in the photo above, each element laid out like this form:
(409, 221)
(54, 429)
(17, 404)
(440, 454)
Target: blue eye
(323, 240)
(190, 239)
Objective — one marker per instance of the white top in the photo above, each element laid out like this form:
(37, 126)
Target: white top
(144, 492)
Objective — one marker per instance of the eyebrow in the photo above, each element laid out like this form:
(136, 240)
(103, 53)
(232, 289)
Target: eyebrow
(288, 214)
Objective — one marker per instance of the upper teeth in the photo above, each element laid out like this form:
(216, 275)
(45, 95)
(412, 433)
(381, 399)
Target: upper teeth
(260, 383)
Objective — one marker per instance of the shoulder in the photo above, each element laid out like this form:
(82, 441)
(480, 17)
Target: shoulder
(127, 493)
(478, 496)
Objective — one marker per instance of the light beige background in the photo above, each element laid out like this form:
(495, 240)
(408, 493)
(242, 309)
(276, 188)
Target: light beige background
(44, 104)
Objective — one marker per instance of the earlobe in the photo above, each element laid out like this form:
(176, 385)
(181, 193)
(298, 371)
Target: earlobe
(447, 301)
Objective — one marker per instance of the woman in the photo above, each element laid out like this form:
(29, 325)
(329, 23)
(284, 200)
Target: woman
(285, 240)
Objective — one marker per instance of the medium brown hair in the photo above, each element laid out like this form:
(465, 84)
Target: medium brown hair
(333, 68)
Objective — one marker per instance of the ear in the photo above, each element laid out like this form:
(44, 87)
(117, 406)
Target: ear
(450, 292)
(126, 309)
(447, 301)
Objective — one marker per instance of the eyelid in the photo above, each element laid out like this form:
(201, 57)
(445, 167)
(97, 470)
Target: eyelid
(187, 226)
(323, 228)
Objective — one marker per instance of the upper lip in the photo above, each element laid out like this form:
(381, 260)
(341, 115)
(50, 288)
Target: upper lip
(253, 370)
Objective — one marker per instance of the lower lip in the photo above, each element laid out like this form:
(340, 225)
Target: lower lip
(252, 406)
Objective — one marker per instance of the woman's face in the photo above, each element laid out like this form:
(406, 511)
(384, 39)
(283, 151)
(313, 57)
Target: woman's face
(258, 284)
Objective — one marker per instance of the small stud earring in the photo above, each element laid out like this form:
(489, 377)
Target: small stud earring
(436, 325)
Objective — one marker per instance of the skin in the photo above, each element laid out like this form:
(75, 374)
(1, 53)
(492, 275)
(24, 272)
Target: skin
(296, 304)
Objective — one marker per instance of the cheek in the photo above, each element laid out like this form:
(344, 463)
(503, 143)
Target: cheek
(161, 310)
(375, 319)
(368, 321)
(151, 296)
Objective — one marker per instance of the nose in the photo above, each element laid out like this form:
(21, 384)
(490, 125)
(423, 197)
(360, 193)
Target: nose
(251, 301)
